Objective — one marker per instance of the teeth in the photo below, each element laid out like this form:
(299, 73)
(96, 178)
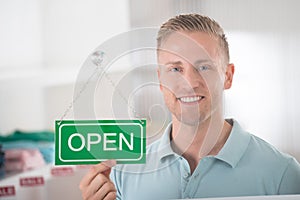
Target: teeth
(190, 99)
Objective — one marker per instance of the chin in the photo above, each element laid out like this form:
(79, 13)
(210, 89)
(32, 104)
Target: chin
(191, 120)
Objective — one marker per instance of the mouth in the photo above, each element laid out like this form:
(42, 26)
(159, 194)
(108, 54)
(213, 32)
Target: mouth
(190, 99)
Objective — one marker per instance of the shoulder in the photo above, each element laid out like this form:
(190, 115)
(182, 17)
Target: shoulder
(259, 155)
(266, 154)
(265, 151)
(275, 162)
(269, 164)
(290, 181)
(282, 167)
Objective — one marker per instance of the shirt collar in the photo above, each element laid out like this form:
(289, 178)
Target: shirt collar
(165, 148)
(235, 146)
(231, 153)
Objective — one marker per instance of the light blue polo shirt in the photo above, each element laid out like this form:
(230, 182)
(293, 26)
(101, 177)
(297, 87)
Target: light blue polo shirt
(245, 166)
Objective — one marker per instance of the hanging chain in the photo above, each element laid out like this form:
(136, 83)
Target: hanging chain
(97, 59)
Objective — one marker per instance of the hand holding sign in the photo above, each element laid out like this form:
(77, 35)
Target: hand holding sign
(96, 184)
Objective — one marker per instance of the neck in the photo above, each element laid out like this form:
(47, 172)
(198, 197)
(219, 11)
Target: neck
(194, 142)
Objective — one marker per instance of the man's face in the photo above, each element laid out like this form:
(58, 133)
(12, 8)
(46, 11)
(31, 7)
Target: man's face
(192, 76)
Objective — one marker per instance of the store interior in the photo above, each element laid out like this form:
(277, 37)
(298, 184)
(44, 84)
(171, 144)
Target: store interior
(45, 45)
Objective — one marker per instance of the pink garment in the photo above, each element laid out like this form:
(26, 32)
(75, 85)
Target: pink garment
(23, 159)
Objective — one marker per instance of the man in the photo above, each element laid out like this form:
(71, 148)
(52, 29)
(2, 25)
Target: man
(200, 154)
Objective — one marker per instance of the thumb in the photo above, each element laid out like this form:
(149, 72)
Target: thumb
(104, 167)
(109, 164)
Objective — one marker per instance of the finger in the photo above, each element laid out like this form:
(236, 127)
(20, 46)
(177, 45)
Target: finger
(94, 186)
(99, 181)
(105, 190)
(102, 167)
(86, 180)
(110, 163)
(105, 168)
(111, 196)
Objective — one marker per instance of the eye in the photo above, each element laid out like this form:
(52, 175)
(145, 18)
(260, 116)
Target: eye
(175, 69)
(203, 68)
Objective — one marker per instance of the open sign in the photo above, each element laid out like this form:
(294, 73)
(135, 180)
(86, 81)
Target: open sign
(93, 141)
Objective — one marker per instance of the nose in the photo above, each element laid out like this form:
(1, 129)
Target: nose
(192, 78)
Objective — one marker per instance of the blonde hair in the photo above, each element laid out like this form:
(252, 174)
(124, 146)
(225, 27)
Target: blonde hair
(194, 22)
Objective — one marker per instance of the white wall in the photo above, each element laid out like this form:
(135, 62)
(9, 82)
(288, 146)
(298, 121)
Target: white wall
(43, 45)
(72, 29)
(21, 51)
(21, 34)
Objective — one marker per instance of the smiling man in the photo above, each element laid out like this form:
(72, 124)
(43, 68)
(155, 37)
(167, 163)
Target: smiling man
(201, 154)
(193, 76)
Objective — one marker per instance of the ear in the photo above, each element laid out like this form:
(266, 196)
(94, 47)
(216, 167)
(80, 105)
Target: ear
(229, 76)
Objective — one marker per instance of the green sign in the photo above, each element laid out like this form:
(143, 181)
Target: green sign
(93, 141)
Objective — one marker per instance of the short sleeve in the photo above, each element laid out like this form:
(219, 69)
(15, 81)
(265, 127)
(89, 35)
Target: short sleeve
(290, 182)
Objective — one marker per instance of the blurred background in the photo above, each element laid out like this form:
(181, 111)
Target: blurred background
(43, 44)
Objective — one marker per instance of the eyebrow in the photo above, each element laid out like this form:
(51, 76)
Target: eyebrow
(203, 61)
(196, 63)
(174, 63)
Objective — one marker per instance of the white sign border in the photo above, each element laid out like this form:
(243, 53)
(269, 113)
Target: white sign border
(93, 124)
